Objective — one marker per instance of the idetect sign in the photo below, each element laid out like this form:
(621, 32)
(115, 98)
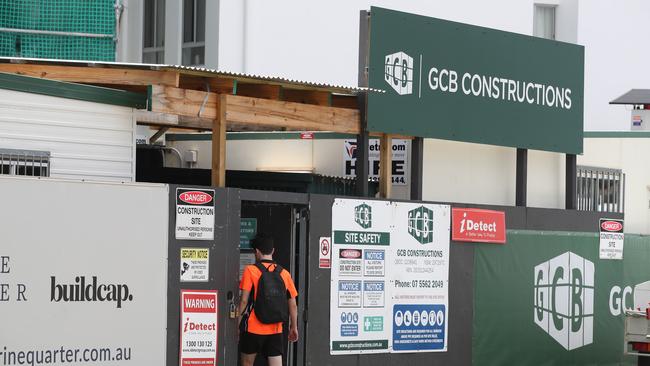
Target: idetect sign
(477, 225)
(459, 82)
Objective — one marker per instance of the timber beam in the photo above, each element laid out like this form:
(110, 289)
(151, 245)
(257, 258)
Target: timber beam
(94, 75)
(255, 112)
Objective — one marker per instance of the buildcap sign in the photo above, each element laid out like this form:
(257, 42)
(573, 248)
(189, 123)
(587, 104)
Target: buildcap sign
(459, 82)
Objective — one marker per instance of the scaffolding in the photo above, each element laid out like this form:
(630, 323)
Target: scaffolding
(59, 29)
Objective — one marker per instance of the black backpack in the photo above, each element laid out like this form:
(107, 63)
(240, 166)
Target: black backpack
(271, 301)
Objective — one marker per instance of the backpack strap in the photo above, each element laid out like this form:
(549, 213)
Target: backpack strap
(263, 268)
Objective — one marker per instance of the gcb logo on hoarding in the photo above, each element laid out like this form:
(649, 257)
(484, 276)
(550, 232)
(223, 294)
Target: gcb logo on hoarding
(421, 224)
(564, 299)
(363, 216)
(398, 72)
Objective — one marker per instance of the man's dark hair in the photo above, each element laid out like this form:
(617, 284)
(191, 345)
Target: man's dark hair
(263, 243)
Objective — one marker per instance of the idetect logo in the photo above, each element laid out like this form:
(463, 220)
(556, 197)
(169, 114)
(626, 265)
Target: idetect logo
(363, 215)
(564, 299)
(420, 224)
(398, 72)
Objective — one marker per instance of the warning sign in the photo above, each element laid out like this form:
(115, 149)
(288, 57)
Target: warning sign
(325, 252)
(194, 214)
(198, 327)
(195, 264)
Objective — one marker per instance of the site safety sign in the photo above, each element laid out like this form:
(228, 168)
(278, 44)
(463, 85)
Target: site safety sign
(390, 277)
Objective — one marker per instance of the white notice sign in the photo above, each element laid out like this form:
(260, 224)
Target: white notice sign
(611, 239)
(194, 214)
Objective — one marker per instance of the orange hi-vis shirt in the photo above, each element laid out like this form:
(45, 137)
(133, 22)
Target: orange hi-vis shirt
(249, 281)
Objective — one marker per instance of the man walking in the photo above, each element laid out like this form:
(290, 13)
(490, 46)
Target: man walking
(268, 298)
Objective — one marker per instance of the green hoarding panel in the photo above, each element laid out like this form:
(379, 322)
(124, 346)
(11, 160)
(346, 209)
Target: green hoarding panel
(460, 82)
(545, 298)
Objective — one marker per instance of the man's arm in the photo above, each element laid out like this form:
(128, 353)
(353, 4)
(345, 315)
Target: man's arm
(293, 320)
(243, 302)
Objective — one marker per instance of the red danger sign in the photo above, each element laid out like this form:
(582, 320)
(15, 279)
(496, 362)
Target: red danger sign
(477, 225)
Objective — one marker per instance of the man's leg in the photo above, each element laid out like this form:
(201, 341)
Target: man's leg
(275, 360)
(249, 359)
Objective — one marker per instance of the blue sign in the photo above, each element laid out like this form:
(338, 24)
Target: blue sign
(349, 324)
(419, 327)
(370, 254)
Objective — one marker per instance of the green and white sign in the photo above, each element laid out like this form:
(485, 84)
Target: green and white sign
(459, 82)
(551, 295)
(247, 231)
(390, 274)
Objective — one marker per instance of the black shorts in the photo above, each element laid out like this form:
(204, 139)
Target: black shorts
(268, 345)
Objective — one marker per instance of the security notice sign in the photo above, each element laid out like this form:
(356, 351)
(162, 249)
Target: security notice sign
(195, 264)
(390, 276)
(198, 328)
(358, 310)
(420, 277)
(611, 239)
(399, 168)
(194, 214)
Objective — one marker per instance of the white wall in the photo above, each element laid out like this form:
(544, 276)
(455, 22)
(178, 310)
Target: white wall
(86, 140)
(614, 34)
(630, 155)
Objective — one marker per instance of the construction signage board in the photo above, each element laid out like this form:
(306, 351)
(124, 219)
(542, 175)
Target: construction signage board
(194, 214)
(82, 280)
(198, 327)
(195, 264)
(552, 301)
(390, 271)
(419, 258)
(611, 239)
(460, 82)
(399, 160)
(357, 228)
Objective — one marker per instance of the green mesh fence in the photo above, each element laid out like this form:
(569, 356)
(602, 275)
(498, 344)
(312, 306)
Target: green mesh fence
(59, 29)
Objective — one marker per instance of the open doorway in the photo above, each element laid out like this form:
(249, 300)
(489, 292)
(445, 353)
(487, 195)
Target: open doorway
(286, 223)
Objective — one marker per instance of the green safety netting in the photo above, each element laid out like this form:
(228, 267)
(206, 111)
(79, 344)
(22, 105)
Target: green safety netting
(20, 21)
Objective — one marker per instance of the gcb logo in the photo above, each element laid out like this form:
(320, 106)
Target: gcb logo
(564, 299)
(363, 215)
(421, 224)
(398, 72)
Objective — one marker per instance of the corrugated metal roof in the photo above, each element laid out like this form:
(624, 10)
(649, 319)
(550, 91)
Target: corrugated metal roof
(198, 71)
(634, 96)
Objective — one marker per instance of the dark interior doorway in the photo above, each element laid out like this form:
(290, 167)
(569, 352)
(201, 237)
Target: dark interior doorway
(286, 223)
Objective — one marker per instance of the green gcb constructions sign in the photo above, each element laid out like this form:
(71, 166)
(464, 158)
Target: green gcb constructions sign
(459, 82)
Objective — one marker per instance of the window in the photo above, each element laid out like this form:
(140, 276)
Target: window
(544, 21)
(153, 48)
(600, 189)
(25, 162)
(193, 32)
